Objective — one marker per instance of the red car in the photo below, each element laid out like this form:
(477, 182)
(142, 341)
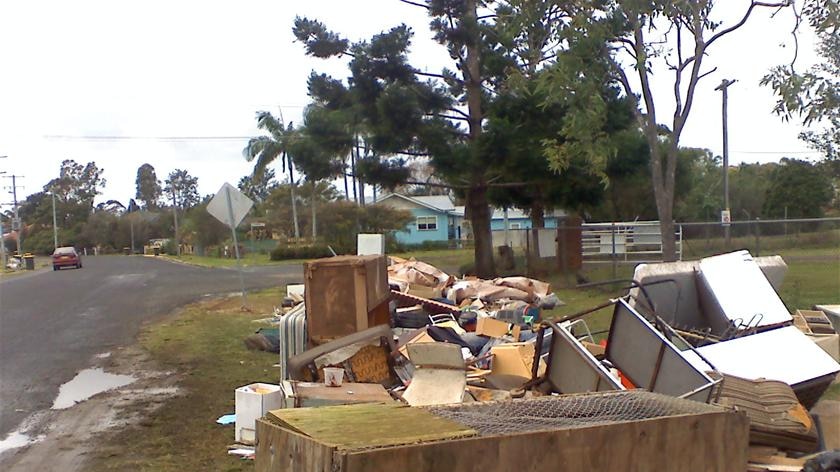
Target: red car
(66, 257)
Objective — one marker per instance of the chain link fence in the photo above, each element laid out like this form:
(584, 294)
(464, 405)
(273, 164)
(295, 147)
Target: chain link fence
(567, 411)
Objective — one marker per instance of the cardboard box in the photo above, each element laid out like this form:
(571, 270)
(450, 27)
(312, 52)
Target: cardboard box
(515, 359)
(423, 291)
(491, 327)
(252, 402)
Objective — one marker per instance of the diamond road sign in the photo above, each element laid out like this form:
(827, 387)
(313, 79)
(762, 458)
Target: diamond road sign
(239, 206)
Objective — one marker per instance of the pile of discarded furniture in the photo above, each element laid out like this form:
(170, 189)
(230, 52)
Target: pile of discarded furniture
(392, 363)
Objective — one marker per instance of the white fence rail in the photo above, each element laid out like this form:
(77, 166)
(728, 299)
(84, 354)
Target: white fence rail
(637, 241)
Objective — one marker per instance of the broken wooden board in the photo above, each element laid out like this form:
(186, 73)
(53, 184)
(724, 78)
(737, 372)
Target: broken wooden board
(363, 425)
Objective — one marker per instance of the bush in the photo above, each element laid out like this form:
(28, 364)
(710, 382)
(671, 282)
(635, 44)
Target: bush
(312, 251)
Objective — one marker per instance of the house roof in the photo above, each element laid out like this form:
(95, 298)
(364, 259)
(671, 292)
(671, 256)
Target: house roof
(440, 203)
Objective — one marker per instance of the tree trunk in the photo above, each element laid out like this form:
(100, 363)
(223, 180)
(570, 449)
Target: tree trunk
(313, 204)
(537, 214)
(361, 182)
(353, 157)
(663, 192)
(480, 213)
(479, 216)
(294, 200)
(346, 187)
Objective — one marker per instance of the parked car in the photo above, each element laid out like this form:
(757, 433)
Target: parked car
(66, 257)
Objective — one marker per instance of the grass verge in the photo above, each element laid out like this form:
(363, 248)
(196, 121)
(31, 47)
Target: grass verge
(251, 259)
(202, 344)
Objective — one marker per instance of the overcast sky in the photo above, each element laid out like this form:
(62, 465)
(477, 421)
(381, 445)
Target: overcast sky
(104, 80)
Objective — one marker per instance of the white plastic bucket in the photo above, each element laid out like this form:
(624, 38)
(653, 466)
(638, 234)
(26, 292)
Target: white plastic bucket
(333, 376)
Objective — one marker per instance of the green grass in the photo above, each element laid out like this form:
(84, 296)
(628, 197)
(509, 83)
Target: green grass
(203, 345)
(833, 392)
(250, 259)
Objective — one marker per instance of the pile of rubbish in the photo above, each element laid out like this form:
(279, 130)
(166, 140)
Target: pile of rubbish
(373, 330)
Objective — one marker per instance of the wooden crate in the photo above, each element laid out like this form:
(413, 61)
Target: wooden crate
(344, 295)
(707, 439)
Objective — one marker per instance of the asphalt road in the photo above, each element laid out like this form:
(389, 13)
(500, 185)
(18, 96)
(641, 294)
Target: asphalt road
(52, 323)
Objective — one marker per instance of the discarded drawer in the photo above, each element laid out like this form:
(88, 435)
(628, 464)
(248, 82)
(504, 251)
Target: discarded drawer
(783, 354)
(344, 295)
(615, 431)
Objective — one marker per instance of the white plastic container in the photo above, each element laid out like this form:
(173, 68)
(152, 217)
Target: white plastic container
(333, 376)
(252, 402)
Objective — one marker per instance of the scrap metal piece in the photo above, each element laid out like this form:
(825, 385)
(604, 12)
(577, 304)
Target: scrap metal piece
(651, 361)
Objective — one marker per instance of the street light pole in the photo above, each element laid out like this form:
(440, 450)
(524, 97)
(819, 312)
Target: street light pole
(723, 87)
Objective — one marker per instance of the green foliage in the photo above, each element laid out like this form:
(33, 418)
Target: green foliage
(313, 251)
(202, 229)
(77, 183)
(259, 186)
(182, 188)
(798, 189)
(341, 221)
(148, 187)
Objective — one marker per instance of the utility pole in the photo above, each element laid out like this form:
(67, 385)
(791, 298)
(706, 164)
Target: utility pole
(175, 215)
(725, 214)
(55, 224)
(16, 223)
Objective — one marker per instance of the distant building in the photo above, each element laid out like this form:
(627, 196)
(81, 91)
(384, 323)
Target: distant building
(436, 218)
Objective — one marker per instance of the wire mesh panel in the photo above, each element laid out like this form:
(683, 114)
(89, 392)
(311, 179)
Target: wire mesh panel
(567, 411)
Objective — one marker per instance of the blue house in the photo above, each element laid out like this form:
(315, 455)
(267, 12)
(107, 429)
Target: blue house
(436, 218)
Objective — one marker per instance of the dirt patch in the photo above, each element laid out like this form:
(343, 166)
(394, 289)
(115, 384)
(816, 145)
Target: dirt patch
(63, 439)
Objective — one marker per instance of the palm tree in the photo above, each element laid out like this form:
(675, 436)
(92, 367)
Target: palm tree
(267, 148)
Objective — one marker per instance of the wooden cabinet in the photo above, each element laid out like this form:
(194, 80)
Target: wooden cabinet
(345, 294)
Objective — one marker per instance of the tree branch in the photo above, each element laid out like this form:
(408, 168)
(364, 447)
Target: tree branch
(416, 4)
(746, 17)
(441, 115)
(707, 73)
(437, 76)
(455, 110)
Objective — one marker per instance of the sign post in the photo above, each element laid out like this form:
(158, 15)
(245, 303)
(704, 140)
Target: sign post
(230, 206)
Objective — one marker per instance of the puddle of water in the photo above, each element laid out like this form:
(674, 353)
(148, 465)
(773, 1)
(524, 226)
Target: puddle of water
(15, 440)
(86, 384)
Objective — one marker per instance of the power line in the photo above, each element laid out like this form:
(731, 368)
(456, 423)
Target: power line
(777, 152)
(144, 138)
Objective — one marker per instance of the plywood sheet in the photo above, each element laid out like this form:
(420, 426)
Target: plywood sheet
(361, 426)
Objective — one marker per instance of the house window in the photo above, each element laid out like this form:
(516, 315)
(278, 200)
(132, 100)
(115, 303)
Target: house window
(516, 226)
(427, 223)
